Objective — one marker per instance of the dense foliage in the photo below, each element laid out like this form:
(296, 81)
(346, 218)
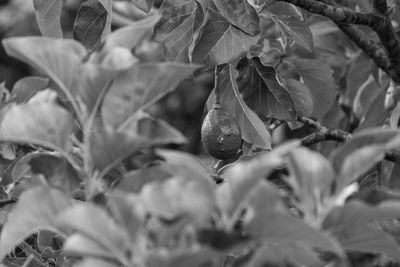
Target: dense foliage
(88, 176)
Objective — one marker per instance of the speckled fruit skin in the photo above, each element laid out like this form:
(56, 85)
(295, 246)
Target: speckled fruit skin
(220, 134)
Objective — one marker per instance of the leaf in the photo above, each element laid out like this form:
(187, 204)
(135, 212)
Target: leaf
(273, 223)
(34, 210)
(59, 59)
(144, 5)
(220, 42)
(180, 20)
(312, 176)
(243, 176)
(108, 148)
(27, 87)
(298, 30)
(284, 254)
(94, 223)
(366, 94)
(374, 136)
(375, 115)
(179, 196)
(39, 122)
(48, 14)
(241, 14)
(357, 212)
(319, 79)
(90, 23)
(80, 245)
(90, 262)
(133, 181)
(156, 131)
(131, 35)
(140, 86)
(252, 128)
(301, 95)
(357, 74)
(363, 238)
(263, 93)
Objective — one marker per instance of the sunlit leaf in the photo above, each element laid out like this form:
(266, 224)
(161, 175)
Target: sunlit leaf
(252, 128)
(241, 14)
(59, 59)
(262, 91)
(48, 13)
(98, 225)
(89, 23)
(40, 122)
(177, 26)
(139, 87)
(221, 42)
(35, 210)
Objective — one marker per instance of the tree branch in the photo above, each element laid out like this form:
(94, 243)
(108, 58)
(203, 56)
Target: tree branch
(337, 14)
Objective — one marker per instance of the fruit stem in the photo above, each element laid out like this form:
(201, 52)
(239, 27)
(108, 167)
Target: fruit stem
(216, 84)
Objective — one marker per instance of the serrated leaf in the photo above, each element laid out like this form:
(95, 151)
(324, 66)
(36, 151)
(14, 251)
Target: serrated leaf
(27, 87)
(319, 79)
(252, 128)
(144, 5)
(356, 211)
(220, 42)
(90, 23)
(298, 31)
(177, 26)
(140, 86)
(262, 91)
(38, 122)
(34, 210)
(48, 14)
(98, 225)
(241, 14)
(363, 238)
(59, 59)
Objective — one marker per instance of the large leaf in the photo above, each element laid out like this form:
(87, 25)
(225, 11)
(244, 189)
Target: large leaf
(363, 238)
(179, 22)
(221, 42)
(108, 148)
(297, 30)
(39, 122)
(48, 14)
(139, 87)
(312, 177)
(252, 128)
(241, 14)
(95, 223)
(90, 23)
(273, 223)
(36, 209)
(262, 91)
(179, 196)
(59, 59)
(243, 176)
(359, 212)
(319, 78)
